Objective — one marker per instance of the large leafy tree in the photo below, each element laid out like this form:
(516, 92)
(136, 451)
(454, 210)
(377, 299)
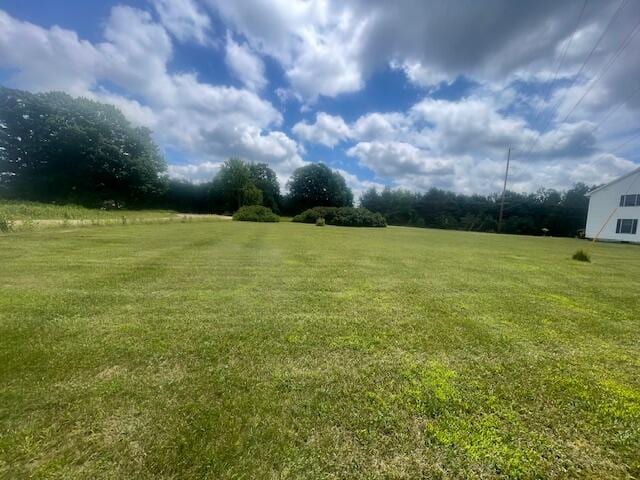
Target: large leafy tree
(316, 185)
(54, 147)
(240, 183)
(265, 180)
(232, 187)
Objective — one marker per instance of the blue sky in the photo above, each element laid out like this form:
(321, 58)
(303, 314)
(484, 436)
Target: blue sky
(410, 94)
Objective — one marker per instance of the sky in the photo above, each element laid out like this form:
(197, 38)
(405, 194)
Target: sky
(408, 94)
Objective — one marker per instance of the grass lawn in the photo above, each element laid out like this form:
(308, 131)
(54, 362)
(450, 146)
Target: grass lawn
(239, 350)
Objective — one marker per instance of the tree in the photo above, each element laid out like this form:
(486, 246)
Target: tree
(54, 147)
(547, 210)
(185, 196)
(230, 186)
(265, 180)
(239, 183)
(316, 185)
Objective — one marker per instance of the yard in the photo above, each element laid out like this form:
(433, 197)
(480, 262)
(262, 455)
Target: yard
(239, 350)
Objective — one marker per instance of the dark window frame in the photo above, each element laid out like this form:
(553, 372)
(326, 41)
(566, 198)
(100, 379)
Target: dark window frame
(627, 226)
(631, 200)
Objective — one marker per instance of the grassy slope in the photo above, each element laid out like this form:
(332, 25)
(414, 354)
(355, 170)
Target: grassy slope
(23, 210)
(235, 350)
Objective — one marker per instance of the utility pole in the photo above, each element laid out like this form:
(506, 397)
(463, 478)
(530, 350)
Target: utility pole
(504, 191)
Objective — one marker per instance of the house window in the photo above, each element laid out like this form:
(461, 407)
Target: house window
(630, 200)
(627, 225)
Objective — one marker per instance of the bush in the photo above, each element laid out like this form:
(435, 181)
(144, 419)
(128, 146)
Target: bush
(255, 213)
(320, 222)
(6, 225)
(343, 216)
(313, 214)
(582, 256)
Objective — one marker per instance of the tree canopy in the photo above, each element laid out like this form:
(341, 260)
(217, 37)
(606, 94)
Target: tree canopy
(54, 147)
(239, 183)
(316, 185)
(561, 213)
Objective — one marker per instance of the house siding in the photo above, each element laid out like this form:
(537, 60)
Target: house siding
(607, 200)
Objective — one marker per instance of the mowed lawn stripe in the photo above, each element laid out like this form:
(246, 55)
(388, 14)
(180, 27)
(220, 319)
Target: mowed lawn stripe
(239, 350)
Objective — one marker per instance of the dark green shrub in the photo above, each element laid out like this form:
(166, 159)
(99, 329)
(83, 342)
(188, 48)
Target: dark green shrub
(313, 214)
(358, 217)
(320, 222)
(582, 256)
(343, 216)
(255, 213)
(6, 225)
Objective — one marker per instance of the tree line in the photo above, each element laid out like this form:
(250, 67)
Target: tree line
(546, 211)
(56, 148)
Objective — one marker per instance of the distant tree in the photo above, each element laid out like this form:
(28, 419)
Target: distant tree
(240, 183)
(265, 180)
(316, 185)
(575, 205)
(54, 147)
(542, 212)
(185, 196)
(397, 206)
(230, 188)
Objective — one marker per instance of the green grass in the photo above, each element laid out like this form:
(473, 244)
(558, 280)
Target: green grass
(23, 210)
(240, 350)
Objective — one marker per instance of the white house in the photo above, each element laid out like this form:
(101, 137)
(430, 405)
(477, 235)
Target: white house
(614, 210)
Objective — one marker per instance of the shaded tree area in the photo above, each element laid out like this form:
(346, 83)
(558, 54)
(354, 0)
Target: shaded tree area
(239, 183)
(560, 213)
(187, 197)
(56, 148)
(316, 185)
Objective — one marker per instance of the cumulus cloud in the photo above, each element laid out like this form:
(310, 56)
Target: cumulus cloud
(41, 59)
(195, 172)
(245, 65)
(317, 43)
(184, 19)
(330, 47)
(398, 159)
(328, 130)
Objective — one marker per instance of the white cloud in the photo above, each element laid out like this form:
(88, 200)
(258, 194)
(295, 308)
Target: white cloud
(419, 74)
(398, 159)
(382, 126)
(317, 43)
(184, 19)
(53, 59)
(328, 130)
(330, 47)
(245, 65)
(196, 172)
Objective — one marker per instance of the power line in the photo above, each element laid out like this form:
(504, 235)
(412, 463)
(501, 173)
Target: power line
(577, 75)
(561, 61)
(603, 71)
(615, 109)
(628, 140)
(625, 43)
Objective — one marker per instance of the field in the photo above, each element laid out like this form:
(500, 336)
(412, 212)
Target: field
(22, 210)
(238, 350)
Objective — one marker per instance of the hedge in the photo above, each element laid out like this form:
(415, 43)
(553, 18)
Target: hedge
(343, 216)
(255, 213)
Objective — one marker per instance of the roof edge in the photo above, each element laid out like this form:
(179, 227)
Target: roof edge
(633, 172)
